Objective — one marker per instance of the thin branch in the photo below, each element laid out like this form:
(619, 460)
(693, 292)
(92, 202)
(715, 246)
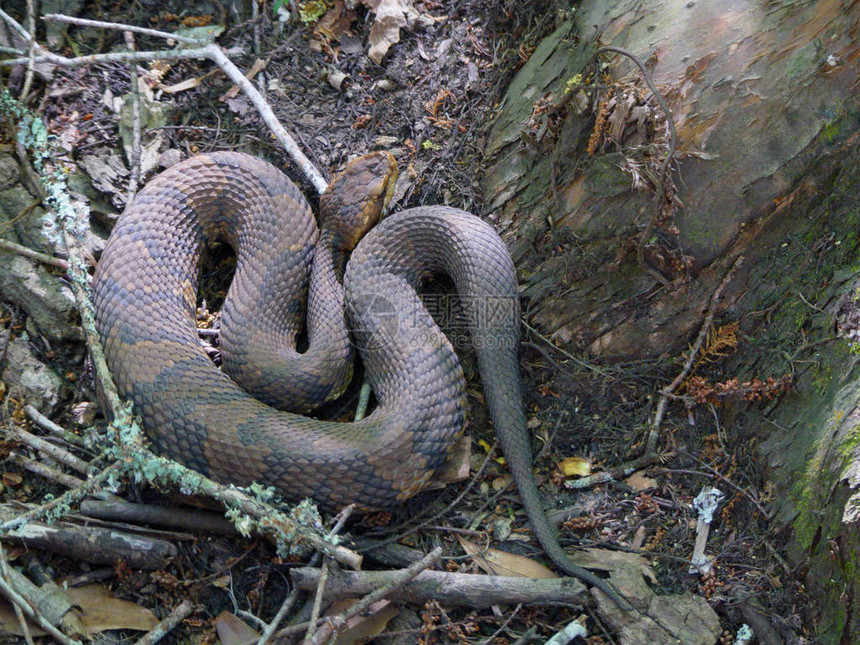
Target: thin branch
(53, 451)
(17, 599)
(219, 57)
(16, 26)
(46, 424)
(315, 610)
(134, 156)
(83, 22)
(19, 614)
(667, 391)
(44, 470)
(69, 497)
(400, 579)
(60, 263)
(31, 52)
(163, 628)
(492, 637)
(706, 325)
(114, 57)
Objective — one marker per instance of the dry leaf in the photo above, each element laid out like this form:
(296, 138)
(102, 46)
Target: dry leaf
(613, 561)
(391, 16)
(100, 611)
(335, 24)
(638, 481)
(501, 563)
(12, 479)
(366, 626)
(187, 84)
(232, 631)
(575, 467)
(222, 582)
(182, 86)
(457, 467)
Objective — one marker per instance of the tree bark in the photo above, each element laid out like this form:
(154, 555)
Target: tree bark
(764, 98)
(756, 99)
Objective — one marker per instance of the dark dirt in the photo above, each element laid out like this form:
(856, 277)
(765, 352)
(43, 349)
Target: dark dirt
(430, 103)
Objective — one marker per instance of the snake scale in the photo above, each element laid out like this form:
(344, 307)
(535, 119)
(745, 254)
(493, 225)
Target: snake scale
(144, 293)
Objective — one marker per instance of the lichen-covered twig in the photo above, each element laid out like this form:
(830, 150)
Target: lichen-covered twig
(63, 503)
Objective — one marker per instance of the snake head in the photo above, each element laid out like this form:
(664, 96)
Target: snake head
(357, 197)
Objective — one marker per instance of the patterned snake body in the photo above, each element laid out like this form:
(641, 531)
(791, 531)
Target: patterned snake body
(145, 296)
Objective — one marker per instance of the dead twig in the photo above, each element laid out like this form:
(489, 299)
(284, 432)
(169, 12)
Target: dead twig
(163, 628)
(60, 263)
(459, 589)
(134, 157)
(69, 497)
(310, 639)
(13, 595)
(170, 516)
(19, 614)
(46, 424)
(45, 471)
(99, 24)
(492, 637)
(51, 450)
(397, 581)
(666, 392)
(31, 51)
(342, 517)
(211, 52)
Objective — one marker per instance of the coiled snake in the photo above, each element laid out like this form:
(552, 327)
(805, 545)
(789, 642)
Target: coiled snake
(145, 296)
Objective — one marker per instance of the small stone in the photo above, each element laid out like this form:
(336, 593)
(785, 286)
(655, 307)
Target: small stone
(48, 301)
(27, 376)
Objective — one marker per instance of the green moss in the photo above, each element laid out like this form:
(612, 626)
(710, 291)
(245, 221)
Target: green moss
(830, 132)
(312, 10)
(850, 444)
(605, 177)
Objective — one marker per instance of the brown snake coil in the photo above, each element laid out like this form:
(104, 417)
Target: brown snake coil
(145, 294)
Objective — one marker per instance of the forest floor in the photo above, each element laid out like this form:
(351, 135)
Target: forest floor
(430, 101)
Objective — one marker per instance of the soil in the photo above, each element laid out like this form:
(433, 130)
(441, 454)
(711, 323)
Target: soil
(430, 102)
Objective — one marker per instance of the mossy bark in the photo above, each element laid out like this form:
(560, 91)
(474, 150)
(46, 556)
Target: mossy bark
(768, 169)
(757, 90)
